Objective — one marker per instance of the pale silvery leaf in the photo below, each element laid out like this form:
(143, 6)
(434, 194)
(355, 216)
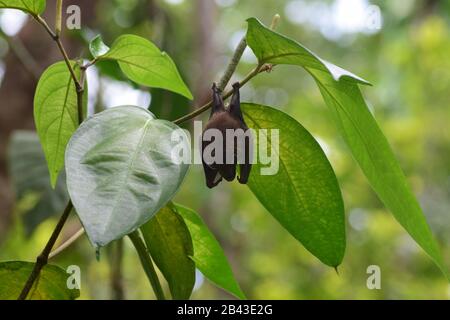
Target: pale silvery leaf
(120, 171)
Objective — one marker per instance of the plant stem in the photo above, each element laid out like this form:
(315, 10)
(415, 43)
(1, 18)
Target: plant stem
(58, 19)
(231, 68)
(226, 95)
(57, 39)
(66, 243)
(80, 93)
(147, 264)
(43, 23)
(90, 63)
(42, 259)
(68, 63)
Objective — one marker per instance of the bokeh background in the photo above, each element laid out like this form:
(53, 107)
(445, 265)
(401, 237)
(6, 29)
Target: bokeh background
(401, 47)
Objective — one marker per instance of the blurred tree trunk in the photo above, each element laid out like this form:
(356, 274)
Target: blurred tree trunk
(116, 270)
(206, 49)
(428, 7)
(18, 86)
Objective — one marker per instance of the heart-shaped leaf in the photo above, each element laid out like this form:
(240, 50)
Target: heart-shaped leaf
(51, 285)
(304, 194)
(56, 113)
(145, 64)
(357, 125)
(121, 170)
(31, 6)
(208, 256)
(169, 242)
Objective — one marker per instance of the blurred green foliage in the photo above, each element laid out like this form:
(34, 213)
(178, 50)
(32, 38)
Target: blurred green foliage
(406, 61)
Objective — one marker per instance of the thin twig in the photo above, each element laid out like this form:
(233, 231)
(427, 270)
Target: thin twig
(147, 264)
(90, 63)
(42, 259)
(43, 23)
(231, 68)
(68, 63)
(80, 93)
(66, 243)
(58, 19)
(57, 39)
(226, 95)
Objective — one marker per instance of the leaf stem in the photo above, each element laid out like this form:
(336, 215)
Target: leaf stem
(147, 264)
(259, 69)
(43, 23)
(42, 259)
(57, 39)
(90, 63)
(66, 243)
(58, 19)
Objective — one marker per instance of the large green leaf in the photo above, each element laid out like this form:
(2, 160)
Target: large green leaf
(56, 114)
(274, 48)
(29, 175)
(170, 245)
(51, 284)
(145, 64)
(358, 127)
(208, 256)
(120, 171)
(31, 6)
(304, 195)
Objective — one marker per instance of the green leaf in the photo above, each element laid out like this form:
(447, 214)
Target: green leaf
(51, 284)
(111, 69)
(304, 194)
(366, 141)
(170, 245)
(97, 47)
(208, 256)
(29, 175)
(31, 6)
(145, 64)
(120, 170)
(56, 113)
(274, 48)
